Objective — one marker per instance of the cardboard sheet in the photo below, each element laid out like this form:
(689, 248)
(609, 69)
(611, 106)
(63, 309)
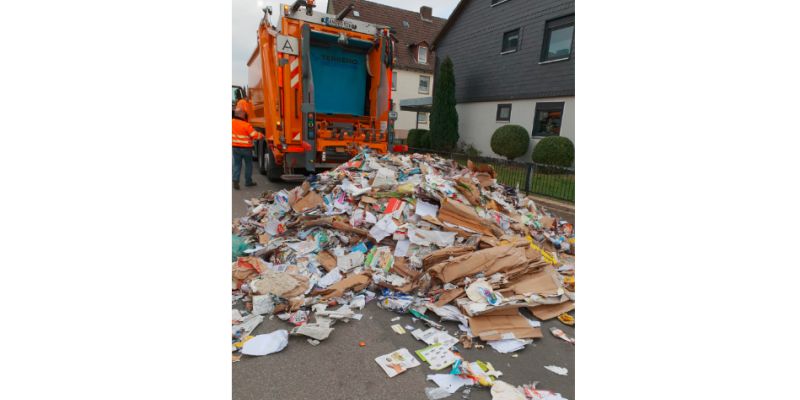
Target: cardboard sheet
(282, 284)
(353, 282)
(440, 255)
(550, 311)
(309, 201)
(543, 282)
(503, 324)
(449, 296)
(488, 261)
(462, 215)
(469, 190)
(327, 260)
(484, 168)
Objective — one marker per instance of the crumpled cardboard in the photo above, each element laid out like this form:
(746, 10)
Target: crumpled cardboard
(281, 284)
(309, 201)
(319, 330)
(459, 214)
(543, 282)
(353, 282)
(440, 255)
(469, 190)
(327, 260)
(550, 311)
(449, 296)
(503, 324)
(481, 168)
(244, 269)
(488, 261)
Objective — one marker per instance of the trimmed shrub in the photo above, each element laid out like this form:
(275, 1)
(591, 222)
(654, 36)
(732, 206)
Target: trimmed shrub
(554, 150)
(510, 141)
(419, 138)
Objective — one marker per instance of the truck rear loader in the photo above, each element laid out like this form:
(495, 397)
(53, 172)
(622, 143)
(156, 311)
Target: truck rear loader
(320, 89)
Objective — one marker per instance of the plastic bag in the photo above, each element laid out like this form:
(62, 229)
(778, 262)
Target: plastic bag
(239, 246)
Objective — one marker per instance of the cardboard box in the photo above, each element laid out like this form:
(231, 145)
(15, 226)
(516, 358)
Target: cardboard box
(503, 324)
(550, 311)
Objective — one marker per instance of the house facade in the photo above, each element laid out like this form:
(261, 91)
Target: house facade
(514, 63)
(414, 60)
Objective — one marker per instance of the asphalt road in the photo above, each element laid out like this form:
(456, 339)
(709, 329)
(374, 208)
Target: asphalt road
(338, 369)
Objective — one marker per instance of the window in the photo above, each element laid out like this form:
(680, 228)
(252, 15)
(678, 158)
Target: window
(558, 36)
(394, 81)
(422, 55)
(422, 118)
(510, 41)
(356, 14)
(496, 2)
(547, 119)
(424, 84)
(405, 24)
(503, 112)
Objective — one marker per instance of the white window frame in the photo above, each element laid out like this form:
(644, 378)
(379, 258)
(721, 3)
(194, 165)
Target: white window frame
(419, 55)
(422, 114)
(503, 41)
(419, 85)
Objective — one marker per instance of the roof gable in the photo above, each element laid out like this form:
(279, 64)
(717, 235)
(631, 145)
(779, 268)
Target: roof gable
(418, 30)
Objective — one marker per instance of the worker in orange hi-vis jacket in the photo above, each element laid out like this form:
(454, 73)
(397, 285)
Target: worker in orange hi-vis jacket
(243, 136)
(246, 106)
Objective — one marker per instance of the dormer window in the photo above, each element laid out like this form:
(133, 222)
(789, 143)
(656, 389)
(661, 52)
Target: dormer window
(356, 14)
(422, 55)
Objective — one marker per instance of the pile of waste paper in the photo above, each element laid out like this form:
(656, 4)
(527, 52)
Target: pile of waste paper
(418, 234)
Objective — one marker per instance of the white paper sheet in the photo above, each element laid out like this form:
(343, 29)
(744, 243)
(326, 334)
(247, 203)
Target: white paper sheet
(438, 357)
(262, 345)
(448, 382)
(426, 238)
(330, 278)
(263, 304)
(383, 228)
(433, 336)
(402, 248)
(422, 209)
(508, 345)
(249, 324)
(556, 370)
(397, 362)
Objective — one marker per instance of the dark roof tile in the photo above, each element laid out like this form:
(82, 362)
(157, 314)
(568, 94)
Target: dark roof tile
(418, 30)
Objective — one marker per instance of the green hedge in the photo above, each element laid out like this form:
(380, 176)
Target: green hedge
(510, 141)
(419, 138)
(554, 150)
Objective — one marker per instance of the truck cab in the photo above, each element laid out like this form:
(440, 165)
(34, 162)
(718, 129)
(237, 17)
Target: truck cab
(238, 94)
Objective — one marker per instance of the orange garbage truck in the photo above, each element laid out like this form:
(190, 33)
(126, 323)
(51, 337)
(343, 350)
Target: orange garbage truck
(320, 90)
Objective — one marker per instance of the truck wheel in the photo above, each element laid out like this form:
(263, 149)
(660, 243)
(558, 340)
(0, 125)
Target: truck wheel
(273, 169)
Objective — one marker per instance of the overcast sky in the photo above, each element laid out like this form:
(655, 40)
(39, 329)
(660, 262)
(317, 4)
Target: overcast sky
(247, 14)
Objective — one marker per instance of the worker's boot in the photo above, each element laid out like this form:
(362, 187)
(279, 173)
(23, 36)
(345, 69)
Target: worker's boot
(249, 184)
(236, 185)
